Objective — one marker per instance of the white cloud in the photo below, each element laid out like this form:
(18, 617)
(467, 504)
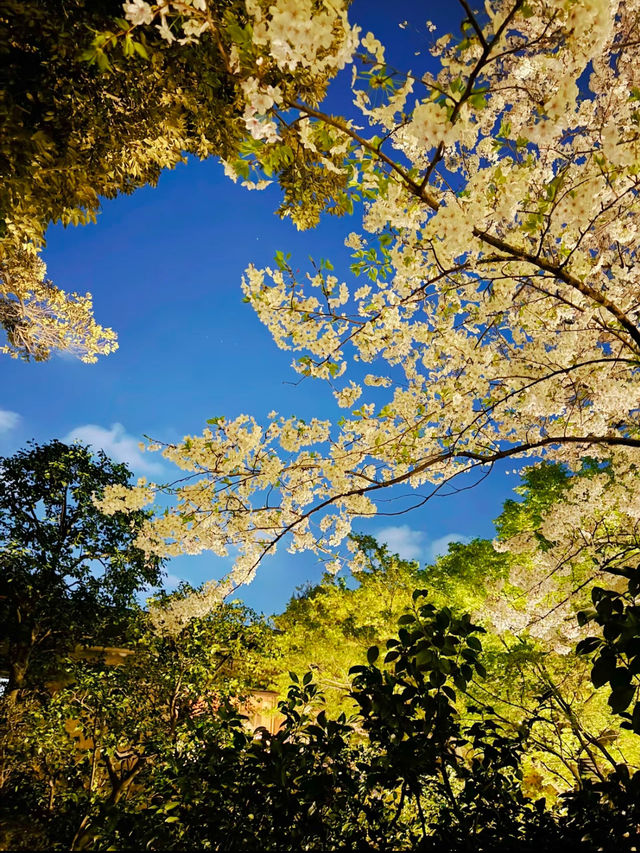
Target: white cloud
(413, 544)
(117, 444)
(440, 546)
(402, 540)
(8, 420)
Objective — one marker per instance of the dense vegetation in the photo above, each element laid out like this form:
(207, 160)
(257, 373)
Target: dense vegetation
(488, 701)
(405, 724)
(91, 109)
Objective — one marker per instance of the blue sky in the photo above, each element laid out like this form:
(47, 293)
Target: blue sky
(164, 267)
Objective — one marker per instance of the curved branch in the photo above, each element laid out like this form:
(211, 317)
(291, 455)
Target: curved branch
(477, 458)
(514, 252)
(564, 276)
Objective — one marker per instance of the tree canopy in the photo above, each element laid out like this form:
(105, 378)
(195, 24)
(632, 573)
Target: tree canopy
(492, 313)
(457, 733)
(67, 571)
(92, 108)
(124, 757)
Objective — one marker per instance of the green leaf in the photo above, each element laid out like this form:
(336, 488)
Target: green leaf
(620, 698)
(602, 671)
(140, 49)
(588, 645)
(482, 672)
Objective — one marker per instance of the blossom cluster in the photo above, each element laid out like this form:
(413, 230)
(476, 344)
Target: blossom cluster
(191, 15)
(259, 100)
(40, 318)
(503, 282)
(301, 33)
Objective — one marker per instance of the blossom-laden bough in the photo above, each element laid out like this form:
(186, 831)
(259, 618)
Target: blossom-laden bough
(94, 107)
(498, 296)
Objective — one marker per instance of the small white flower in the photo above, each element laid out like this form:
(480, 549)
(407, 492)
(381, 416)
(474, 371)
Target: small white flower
(138, 12)
(165, 32)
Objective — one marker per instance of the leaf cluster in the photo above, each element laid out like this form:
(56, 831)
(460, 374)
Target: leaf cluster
(616, 654)
(69, 573)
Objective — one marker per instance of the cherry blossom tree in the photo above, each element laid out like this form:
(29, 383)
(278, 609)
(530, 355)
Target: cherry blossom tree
(90, 117)
(495, 295)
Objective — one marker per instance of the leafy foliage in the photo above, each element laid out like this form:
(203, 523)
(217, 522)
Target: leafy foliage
(68, 572)
(410, 771)
(616, 655)
(406, 773)
(447, 727)
(94, 107)
(97, 749)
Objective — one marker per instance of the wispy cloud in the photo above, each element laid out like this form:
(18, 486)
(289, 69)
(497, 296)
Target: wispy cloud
(403, 540)
(440, 546)
(413, 544)
(8, 420)
(117, 444)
